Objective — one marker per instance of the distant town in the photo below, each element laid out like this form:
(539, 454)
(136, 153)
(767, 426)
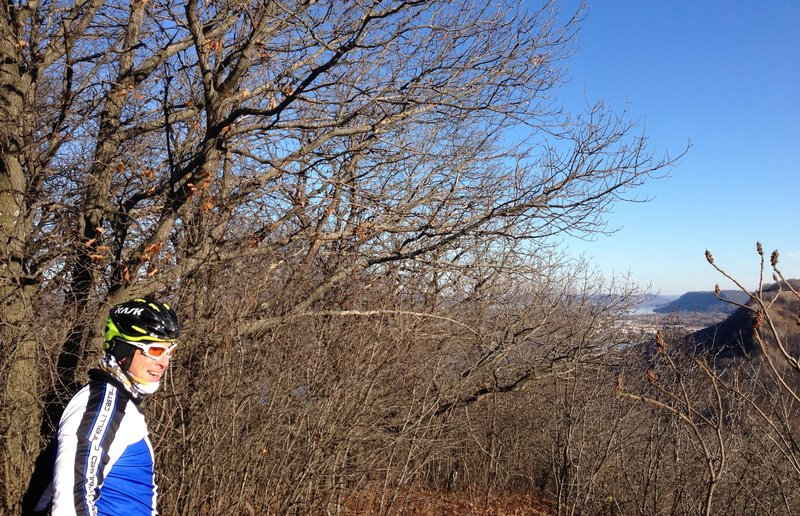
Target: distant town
(639, 326)
(688, 313)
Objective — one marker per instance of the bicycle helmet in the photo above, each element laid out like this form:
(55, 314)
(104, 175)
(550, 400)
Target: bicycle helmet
(138, 320)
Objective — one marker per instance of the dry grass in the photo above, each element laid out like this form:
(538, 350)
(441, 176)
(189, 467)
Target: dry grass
(425, 501)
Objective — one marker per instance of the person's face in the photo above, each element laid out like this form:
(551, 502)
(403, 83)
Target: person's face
(148, 369)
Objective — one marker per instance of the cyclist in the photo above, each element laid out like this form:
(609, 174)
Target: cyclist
(104, 459)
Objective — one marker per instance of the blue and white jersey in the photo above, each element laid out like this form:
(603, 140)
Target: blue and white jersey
(104, 459)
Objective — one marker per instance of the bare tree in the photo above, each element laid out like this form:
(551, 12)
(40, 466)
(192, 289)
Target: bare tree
(703, 416)
(733, 399)
(771, 390)
(148, 145)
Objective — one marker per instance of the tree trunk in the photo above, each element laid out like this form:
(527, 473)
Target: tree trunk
(20, 437)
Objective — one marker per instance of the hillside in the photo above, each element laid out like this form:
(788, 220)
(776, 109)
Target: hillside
(733, 337)
(704, 302)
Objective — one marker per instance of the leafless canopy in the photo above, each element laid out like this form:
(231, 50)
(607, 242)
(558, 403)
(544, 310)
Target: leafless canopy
(306, 148)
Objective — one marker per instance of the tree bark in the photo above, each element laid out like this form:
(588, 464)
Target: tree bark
(19, 442)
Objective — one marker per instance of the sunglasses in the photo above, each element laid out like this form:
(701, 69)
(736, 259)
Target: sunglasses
(155, 350)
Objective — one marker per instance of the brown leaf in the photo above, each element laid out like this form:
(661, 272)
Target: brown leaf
(150, 251)
(154, 248)
(286, 89)
(660, 342)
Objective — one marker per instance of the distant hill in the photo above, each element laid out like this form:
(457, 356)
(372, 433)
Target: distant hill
(733, 337)
(704, 302)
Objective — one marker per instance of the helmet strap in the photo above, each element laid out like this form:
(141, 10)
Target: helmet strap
(122, 352)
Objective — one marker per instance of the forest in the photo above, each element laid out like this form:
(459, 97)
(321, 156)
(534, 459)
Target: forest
(354, 207)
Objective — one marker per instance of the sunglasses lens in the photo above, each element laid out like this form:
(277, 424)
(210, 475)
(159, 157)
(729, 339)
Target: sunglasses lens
(157, 351)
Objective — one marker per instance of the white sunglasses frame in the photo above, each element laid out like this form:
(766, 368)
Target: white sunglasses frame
(145, 348)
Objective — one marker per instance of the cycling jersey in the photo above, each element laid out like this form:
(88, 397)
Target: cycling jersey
(104, 459)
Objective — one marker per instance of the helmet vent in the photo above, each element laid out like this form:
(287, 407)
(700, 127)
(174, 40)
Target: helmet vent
(142, 320)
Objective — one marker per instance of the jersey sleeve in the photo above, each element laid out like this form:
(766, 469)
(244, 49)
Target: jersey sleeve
(86, 434)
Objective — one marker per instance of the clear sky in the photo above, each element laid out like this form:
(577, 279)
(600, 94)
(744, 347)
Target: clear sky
(724, 75)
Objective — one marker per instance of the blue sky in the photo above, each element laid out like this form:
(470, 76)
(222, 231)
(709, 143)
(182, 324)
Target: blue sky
(724, 75)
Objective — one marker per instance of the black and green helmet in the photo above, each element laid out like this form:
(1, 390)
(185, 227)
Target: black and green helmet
(141, 320)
